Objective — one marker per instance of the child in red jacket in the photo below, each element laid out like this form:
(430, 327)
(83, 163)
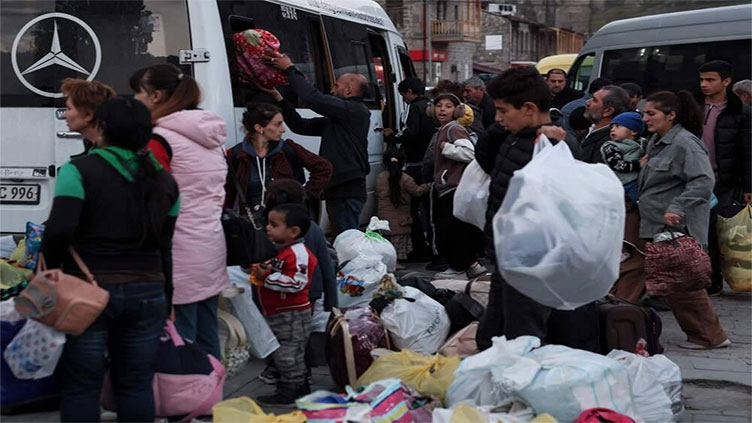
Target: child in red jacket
(282, 292)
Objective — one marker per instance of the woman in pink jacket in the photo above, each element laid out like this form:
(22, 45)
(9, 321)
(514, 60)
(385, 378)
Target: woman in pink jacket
(190, 142)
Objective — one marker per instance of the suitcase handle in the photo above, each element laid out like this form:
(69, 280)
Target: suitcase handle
(339, 321)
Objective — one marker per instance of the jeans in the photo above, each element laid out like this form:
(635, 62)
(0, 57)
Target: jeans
(198, 322)
(344, 214)
(631, 191)
(127, 333)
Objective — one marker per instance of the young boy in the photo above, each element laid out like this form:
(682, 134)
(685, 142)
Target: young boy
(623, 152)
(281, 287)
(522, 101)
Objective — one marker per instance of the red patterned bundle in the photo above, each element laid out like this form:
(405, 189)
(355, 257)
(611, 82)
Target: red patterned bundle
(674, 265)
(251, 47)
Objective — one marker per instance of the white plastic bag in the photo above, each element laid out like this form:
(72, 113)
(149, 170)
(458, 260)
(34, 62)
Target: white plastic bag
(421, 325)
(352, 243)
(261, 339)
(471, 196)
(656, 386)
(514, 412)
(571, 381)
(559, 231)
(8, 311)
(479, 378)
(34, 351)
(358, 280)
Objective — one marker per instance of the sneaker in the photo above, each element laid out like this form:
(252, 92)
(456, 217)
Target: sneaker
(451, 274)
(476, 269)
(269, 376)
(692, 346)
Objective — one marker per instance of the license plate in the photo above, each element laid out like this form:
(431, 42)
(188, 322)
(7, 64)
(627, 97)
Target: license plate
(19, 194)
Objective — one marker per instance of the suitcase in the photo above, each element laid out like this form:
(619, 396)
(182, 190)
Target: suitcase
(423, 283)
(463, 310)
(623, 324)
(351, 336)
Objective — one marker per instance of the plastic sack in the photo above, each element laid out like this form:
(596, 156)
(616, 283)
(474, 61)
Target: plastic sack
(244, 409)
(735, 242)
(559, 231)
(34, 235)
(261, 339)
(478, 378)
(471, 196)
(352, 243)
(656, 386)
(250, 46)
(19, 253)
(468, 413)
(34, 351)
(462, 343)
(328, 407)
(427, 375)
(386, 399)
(11, 275)
(571, 381)
(358, 280)
(421, 325)
(7, 246)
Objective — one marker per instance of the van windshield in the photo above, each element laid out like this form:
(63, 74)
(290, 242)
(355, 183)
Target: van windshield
(44, 42)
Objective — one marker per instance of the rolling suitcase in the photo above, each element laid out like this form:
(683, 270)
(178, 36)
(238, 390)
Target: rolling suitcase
(623, 324)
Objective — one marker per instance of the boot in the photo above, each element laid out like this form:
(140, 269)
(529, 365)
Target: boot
(285, 396)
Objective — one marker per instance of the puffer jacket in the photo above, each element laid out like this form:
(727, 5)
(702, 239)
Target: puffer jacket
(733, 146)
(199, 255)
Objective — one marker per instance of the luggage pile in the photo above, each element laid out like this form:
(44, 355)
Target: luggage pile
(410, 355)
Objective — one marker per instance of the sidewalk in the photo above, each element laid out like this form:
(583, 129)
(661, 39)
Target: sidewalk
(717, 383)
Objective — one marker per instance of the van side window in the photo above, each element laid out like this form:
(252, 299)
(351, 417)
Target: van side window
(408, 69)
(299, 33)
(131, 35)
(673, 67)
(351, 53)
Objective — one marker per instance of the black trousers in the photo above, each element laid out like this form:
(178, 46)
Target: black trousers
(421, 233)
(726, 198)
(458, 242)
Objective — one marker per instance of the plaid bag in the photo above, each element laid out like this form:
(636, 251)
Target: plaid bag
(250, 47)
(677, 264)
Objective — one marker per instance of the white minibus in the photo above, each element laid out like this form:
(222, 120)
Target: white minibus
(44, 42)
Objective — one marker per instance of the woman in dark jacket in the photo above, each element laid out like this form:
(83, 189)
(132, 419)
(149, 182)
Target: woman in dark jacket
(675, 186)
(264, 156)
(117, 208)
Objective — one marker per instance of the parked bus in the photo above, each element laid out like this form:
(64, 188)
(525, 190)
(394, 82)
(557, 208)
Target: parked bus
(664, 51)
(44, 42)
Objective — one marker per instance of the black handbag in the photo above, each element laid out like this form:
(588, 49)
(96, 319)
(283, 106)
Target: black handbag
(245, 236)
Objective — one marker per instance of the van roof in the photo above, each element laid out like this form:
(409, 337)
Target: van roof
(719, 23)
(362, 11)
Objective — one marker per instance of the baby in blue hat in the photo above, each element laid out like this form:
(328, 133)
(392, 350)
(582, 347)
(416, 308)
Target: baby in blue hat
(622, 153)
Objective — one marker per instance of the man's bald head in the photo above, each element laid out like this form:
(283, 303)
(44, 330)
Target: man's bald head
(350, 85)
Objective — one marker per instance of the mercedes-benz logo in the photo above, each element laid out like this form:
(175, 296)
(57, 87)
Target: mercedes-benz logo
(55, 56)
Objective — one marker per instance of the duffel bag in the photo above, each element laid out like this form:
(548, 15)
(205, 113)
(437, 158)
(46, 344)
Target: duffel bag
(477, 288)
(351, 336)
(187, 383)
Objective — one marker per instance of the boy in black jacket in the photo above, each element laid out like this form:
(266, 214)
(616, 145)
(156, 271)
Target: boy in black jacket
(522, 101)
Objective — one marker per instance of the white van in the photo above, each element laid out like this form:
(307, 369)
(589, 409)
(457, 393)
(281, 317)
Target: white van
(44, 42)
(663, 52)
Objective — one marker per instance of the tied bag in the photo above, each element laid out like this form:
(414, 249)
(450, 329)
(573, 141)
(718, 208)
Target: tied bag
(62, 301)
(677, 264)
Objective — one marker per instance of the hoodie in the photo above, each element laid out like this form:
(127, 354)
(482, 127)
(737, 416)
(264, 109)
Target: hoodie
(99, 210)
(199, 253)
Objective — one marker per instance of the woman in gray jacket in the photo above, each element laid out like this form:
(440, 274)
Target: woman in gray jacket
(675, 186)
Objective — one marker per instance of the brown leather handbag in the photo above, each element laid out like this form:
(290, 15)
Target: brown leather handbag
(61, 301)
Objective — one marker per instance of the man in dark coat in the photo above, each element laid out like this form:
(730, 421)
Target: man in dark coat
(522, 102)
(344, 137)
(606, 104)
(474, 90)
(557, 82)
(726, 134)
